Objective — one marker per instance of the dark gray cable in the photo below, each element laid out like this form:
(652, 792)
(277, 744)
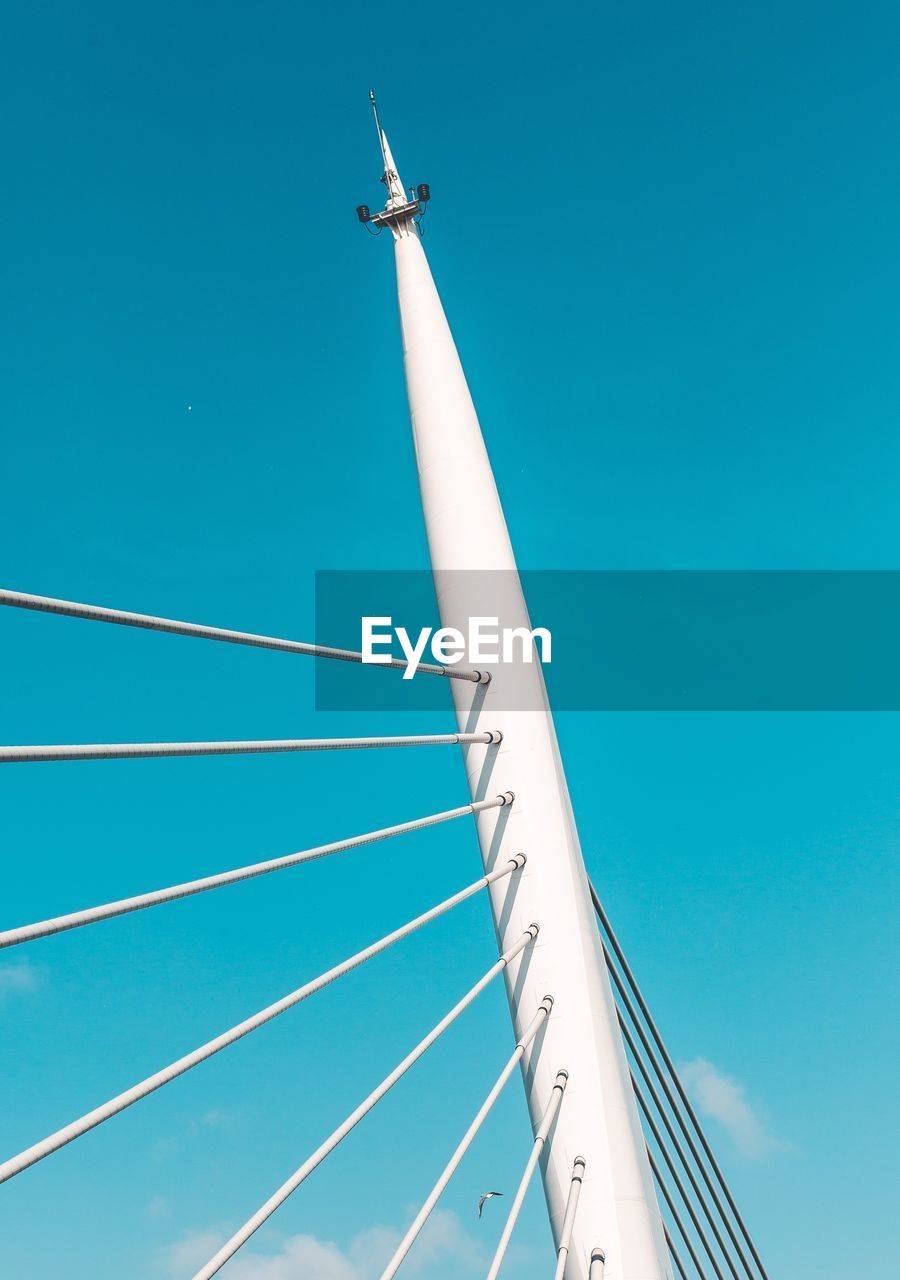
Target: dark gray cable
(676, 1178)
(661, 1076)
(626, 969)
(673, 1252)
(676, 1216)
(629, 1039)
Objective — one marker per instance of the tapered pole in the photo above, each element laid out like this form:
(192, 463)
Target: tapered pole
(475, 575)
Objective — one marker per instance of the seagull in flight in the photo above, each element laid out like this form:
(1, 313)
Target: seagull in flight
(487, 1196)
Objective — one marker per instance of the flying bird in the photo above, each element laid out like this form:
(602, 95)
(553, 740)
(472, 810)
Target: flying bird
(487, 1196)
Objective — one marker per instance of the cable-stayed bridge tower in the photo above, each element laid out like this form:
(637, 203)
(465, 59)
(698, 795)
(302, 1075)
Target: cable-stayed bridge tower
(475, 575)
(590, 1054)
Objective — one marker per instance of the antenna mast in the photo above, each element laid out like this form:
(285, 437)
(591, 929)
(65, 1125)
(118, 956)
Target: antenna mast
(378, 128)
(401, 213)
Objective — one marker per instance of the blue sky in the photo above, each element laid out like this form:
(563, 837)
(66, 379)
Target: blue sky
(666, 240)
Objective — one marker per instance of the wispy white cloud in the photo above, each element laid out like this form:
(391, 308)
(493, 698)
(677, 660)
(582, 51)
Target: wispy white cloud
(171, 1144)
(163, 1148)
(18, 978)
(444, 1241)
(724, 1099)
(188, 1254)
(158, 1207)
(216, 1119)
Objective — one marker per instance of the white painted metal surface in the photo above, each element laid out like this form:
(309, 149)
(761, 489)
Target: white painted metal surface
(259, 746)
(467, 532)
(240, 1237)
(70, 1132)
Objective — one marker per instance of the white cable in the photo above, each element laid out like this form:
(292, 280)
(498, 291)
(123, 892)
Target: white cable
(540, 1138)
(122, 1100)
(90, 915)
(565, 1235)
(598, 1265)
(145, 750)
(96, 613)
(453, 1163)
(230, 1248)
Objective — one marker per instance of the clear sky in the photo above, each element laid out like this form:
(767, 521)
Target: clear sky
(666, 237)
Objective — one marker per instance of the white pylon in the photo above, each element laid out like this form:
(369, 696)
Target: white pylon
(468, 538)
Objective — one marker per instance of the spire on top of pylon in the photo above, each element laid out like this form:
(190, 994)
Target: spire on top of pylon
(401, 207)
(390, 177)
